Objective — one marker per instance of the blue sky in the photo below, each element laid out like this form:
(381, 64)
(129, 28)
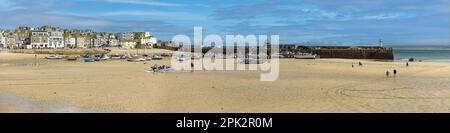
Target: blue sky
(337, 22)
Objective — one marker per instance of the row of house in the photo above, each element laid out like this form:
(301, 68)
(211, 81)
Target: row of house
(47, 37)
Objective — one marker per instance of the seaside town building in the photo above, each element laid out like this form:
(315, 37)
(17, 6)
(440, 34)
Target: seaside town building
(80, 41)
(23, 35)
(56, 39)
(127, 44)
(2, 39)
(125, 36)
(144, 39)
(10, 40)
(69, 40)
(112, 40)
(39, 39)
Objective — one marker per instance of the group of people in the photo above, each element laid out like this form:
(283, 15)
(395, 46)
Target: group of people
(360, 64)
(388, 72)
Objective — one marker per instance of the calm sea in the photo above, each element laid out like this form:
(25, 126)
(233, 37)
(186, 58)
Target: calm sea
(422, 54)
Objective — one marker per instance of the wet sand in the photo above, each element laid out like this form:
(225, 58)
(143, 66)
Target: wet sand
(324, 85)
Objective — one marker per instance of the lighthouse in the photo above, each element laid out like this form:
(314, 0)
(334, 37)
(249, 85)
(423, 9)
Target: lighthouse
(381, 42)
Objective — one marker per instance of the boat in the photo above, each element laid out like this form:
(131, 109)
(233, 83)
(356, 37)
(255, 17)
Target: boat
(103, 57)
(163, 68)
(89, 60)
(181, 58)
(148, 58)
(116, 56)
(136, 59)
(305, 56)
(73, 58)
(54, 57)
(157, 57)
(253, 61)
(86, 55)
(125, 56)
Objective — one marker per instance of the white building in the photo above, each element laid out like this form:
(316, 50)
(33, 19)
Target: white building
(70, 42)
(56, 39)
(125, 36)
(150, 41)
(2, 40)
(39, 39)
(127, 44)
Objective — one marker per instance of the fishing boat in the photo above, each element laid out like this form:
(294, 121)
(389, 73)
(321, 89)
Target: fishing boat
(86, 55)
(163, 68)
(157, 57)
(89, 60)
(305, 56)
(54, 57)
(181, 58)
(103, 57)
(253, 61)
(73, 58)
(136, 59)
(116, 56)
(125, 56)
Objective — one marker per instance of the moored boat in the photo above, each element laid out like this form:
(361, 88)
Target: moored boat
(54, 57)
(305, 56)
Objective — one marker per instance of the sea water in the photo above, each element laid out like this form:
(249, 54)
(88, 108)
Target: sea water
(422, 54)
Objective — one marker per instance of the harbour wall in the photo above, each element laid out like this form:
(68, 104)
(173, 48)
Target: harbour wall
(381, 53)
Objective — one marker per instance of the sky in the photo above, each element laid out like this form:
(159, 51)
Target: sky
(333, 22)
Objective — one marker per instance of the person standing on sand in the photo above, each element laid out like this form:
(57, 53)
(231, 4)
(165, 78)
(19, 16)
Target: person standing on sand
(407, 64)
(387, 73)
(395, 72)
(192, 67)
(353, 66)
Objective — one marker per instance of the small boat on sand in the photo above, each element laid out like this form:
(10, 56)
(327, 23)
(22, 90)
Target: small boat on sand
(54, 57)
(72, 58)
(181, 58)
(157, 57)
(253, 61)
(103, 57)
(89, 60)
(136, 59)
(305, 56)
(116, 56)
(161, 69)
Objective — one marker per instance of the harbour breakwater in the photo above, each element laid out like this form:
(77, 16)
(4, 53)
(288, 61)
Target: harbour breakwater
(368, 53)
(350, 52)
(345, 52)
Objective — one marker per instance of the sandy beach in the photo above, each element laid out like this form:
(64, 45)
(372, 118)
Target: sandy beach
(322, 85)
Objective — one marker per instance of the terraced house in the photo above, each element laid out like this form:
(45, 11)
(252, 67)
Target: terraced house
(39, 39)
(2, 39)
(56, 39)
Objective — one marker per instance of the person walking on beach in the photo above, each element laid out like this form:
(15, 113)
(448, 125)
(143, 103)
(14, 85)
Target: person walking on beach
(407, 64)
(192, 67)
(395, 72)
(353, 66)
(387, 73)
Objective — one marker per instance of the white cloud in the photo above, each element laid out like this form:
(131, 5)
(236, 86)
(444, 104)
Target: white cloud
(144, 13)
(8, 5)
(151, 13)
(385, 16)
(145, 2)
